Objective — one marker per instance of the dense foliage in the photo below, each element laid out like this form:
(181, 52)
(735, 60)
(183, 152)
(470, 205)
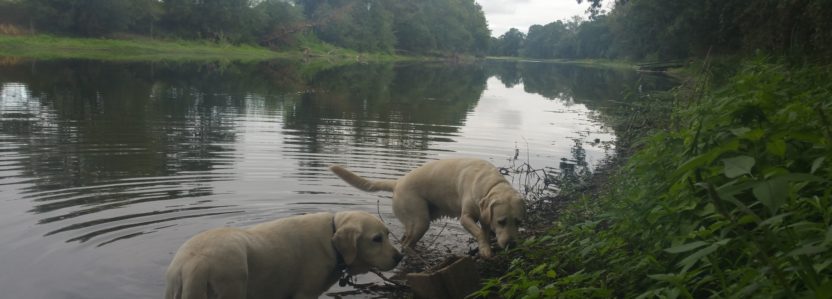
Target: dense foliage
(734, 199)
(426, 27)
(660, 29)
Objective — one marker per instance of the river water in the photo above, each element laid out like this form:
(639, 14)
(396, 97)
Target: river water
(106, 168)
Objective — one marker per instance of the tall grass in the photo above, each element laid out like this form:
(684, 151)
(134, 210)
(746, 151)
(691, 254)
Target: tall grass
(51, 47)
(139, 49)
(735, 201)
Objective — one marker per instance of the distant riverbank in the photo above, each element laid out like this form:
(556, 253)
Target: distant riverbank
(144, 49)
(583, 62)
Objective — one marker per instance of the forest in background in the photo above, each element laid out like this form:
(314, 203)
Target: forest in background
(430, 27)
(650, 30)
(639, 30)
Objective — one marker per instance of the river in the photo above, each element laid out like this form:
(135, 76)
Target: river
(106, 168)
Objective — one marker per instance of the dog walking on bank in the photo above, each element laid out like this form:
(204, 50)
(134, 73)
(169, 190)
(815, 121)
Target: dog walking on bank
(472, 190)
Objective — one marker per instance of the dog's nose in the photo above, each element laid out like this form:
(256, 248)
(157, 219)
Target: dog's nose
(398, 257)
(511, 244)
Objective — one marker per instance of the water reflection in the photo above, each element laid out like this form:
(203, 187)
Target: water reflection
(106, 168)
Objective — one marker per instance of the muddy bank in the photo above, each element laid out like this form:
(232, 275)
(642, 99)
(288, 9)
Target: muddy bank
(445, 238)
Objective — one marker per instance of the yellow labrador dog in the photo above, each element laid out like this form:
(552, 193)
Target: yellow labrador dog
(295, 257)
(471, 189)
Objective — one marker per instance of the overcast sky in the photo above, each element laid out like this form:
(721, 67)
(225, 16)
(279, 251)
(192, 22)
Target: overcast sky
(520, 14)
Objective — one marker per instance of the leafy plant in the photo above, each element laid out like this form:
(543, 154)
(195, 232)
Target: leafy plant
(733, 203)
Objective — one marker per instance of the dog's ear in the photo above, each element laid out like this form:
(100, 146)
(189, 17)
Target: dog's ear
(346, 243)
(485, 211)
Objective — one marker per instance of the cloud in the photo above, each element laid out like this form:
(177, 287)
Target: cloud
(498, 7)
(505, 14)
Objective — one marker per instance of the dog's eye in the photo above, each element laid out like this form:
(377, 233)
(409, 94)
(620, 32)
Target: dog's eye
(378, 239)
(501, 222)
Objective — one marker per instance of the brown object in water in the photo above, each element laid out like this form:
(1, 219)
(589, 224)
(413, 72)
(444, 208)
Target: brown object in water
(457, 277)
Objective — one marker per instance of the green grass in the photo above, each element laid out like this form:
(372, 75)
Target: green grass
(730, 197)
(605, 63)
(145, 49)
(51, 47)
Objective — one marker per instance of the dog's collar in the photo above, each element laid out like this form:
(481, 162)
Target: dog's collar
(340, 265)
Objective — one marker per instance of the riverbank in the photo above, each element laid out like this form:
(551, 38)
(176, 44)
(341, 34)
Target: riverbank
(725, 195)
(44, 47)
(605, 63)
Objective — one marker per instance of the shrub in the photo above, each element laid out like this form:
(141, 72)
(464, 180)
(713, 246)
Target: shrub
(733, 203)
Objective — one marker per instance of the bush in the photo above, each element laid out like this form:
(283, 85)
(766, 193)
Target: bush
(735, 203)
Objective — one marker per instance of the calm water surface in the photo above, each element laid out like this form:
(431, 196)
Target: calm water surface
(107, 168)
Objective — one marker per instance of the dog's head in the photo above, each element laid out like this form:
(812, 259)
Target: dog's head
(503, 210)
(364, 242)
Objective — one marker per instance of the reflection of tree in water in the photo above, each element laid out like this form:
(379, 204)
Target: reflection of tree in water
(108, 135)
(599, 89)
(109, 121)
(576, 84)
(401, 109)
(574, 171)
(507, 72)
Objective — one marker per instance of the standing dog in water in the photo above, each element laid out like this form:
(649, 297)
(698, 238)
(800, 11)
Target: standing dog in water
(295, 257)
(472, 190)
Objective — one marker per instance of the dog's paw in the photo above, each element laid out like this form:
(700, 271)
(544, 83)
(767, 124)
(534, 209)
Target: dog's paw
(485, 252)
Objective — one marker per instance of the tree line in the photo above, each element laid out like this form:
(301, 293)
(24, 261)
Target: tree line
(666, 30)
(421, 27)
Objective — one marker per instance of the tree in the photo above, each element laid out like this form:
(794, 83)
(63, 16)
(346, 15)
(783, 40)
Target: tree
(279, 23)
(81, 17)
(593, 39)
(145, 14)
(363, 25)
(219, 20)
(509, 44)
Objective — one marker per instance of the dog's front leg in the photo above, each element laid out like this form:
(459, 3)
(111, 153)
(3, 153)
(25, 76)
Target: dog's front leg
(481, 234)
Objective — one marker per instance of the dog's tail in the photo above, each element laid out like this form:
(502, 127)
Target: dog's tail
(362, 183)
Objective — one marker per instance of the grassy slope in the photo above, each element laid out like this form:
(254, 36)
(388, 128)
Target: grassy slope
(729, 197)
(51, 47)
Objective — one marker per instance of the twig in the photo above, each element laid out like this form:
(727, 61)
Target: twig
(378, 210)
(387, 279)
(437, 235)
(412, 252)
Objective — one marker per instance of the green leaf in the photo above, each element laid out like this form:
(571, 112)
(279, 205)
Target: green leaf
(706, 158)
(738, 166)
(775, 219)
(808, 250)
(538, 269)
(816, 164)
(533, 291)
(670, 277)
(772, 193)
(820, 267)
(686, 247)
(550, 291)
(828, 235)
(746, 219)
(551, 274)
(754, 135)
(739, 132)
(690, 260)
(692, 164)
(798, 177)
(776, 147)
